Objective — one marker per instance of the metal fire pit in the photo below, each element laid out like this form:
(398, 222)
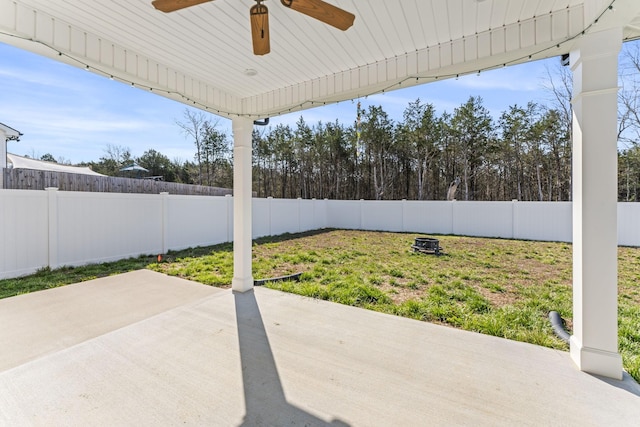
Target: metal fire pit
(427, 245)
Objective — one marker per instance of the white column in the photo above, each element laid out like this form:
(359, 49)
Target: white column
(594, 344)
(3, 156)
(242, 275)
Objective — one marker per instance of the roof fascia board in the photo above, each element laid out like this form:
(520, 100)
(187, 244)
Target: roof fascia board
(9, 132)
(594, 8)
(619, 14)
(532, 39)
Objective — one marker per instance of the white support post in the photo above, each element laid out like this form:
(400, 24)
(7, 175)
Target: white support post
(594, 344)
(242, 147)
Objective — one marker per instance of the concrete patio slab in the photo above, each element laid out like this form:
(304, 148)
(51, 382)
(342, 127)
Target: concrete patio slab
(39, 323)
(270, 358)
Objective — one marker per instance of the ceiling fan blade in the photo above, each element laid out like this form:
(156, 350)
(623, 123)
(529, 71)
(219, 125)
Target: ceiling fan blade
(172, 5)
(260, 29)
(322, 11)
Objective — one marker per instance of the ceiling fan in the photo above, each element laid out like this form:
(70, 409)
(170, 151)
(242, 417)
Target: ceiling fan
(258, 13)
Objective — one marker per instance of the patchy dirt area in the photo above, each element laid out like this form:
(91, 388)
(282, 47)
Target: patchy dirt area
(497, 269)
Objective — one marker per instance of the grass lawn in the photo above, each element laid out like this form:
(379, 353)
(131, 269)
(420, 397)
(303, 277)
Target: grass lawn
(493, 286)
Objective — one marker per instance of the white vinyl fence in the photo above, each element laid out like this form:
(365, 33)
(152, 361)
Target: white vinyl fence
(56, 228)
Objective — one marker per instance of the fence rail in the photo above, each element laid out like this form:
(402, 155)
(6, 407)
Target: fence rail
(30, 179)
(55, 228)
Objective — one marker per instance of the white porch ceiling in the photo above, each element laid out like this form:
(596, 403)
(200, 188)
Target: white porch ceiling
(199, 55)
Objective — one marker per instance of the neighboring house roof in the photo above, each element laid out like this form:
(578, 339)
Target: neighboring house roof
(19, 162)
(11, 133)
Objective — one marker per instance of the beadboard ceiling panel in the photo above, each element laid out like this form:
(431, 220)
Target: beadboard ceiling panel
(200, 55)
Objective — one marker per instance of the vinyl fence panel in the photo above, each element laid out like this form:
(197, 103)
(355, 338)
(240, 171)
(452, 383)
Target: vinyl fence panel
(382, 215)
(487, 219)
(547, 221)
(285, 216)
(428, 217)
(56, 228)
(261, 218)
(196, 221)
(629, 224)
(100, 227)
(23, 232)
(344, 214)
(309, 220)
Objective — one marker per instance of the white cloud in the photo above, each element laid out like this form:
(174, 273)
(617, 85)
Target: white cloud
(503, 81)
(35, 80)
(61, 121)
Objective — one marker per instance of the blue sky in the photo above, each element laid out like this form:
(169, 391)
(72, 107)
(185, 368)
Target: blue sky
(74, 114)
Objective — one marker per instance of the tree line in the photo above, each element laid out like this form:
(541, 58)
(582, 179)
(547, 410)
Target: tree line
(212, 164)
(524, 155)
(467, 154)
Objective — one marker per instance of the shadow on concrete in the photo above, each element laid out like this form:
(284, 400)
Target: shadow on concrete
(627, 383)
(264, 396)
